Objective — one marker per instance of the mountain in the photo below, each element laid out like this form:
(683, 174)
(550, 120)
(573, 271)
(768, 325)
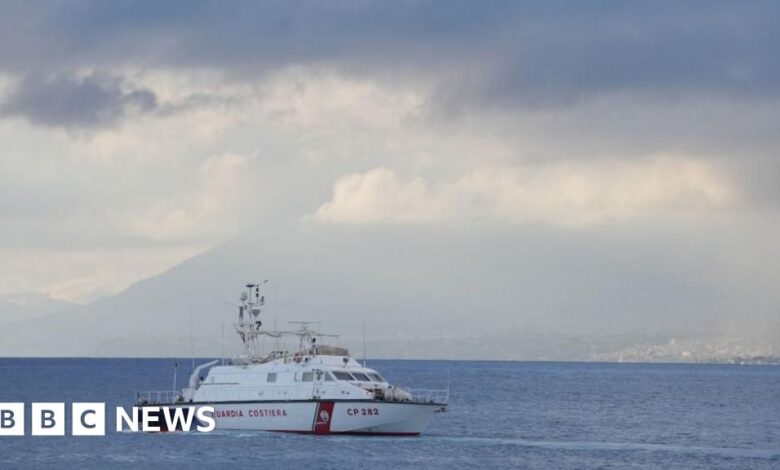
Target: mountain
(467, 293)
(342, 278)
(404, 283)
(21, 306)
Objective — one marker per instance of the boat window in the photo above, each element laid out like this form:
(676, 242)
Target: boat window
(340, 375)
(376, 378)
(271, 377)
(307, 376)
(329, 377)
(361, 377)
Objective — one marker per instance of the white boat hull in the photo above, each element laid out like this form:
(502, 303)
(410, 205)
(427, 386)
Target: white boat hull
(327, 416)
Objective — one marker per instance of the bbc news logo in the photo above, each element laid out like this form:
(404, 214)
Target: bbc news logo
(89, 419)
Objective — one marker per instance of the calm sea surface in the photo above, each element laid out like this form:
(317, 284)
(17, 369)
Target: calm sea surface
(502, 415)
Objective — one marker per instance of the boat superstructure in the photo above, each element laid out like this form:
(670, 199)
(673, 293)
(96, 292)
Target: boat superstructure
(316, 388)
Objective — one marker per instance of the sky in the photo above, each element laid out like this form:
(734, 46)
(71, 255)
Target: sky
(631, 147)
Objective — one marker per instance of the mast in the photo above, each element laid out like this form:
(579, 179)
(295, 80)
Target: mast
(364, 344)
(248, 326)
(222, 341)
(175, 368)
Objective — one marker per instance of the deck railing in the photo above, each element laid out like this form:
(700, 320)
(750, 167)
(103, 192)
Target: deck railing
(427, 395)
(416, 395)
(158, 397)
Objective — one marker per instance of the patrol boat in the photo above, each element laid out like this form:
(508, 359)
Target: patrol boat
(317, 389)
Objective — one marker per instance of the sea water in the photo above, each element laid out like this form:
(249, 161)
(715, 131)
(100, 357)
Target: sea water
(501, 415)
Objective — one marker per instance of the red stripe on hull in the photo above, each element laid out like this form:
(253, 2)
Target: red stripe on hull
(323, 417)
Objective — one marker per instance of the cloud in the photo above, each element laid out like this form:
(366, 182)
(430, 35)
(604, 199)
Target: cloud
(211, 211)
(567, 194)
(501, 53)
(174, 184)
(653, 125)
(311, 98)
(86, 274)
(380, 195)
(70, 101)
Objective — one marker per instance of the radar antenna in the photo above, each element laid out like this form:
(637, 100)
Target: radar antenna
(249, 323)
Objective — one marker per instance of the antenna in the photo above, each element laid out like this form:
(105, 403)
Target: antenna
(305, 324)
(448, 384)
(364, 344)
(192, 344)
(228, 303)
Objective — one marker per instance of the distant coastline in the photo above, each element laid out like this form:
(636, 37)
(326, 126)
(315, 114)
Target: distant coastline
(740, 361)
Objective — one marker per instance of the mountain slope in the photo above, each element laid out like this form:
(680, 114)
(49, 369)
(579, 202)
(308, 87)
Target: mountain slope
(404, 282)
(28, 305)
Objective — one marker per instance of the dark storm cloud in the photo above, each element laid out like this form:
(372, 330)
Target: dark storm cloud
(68, 101)
(495, 52)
